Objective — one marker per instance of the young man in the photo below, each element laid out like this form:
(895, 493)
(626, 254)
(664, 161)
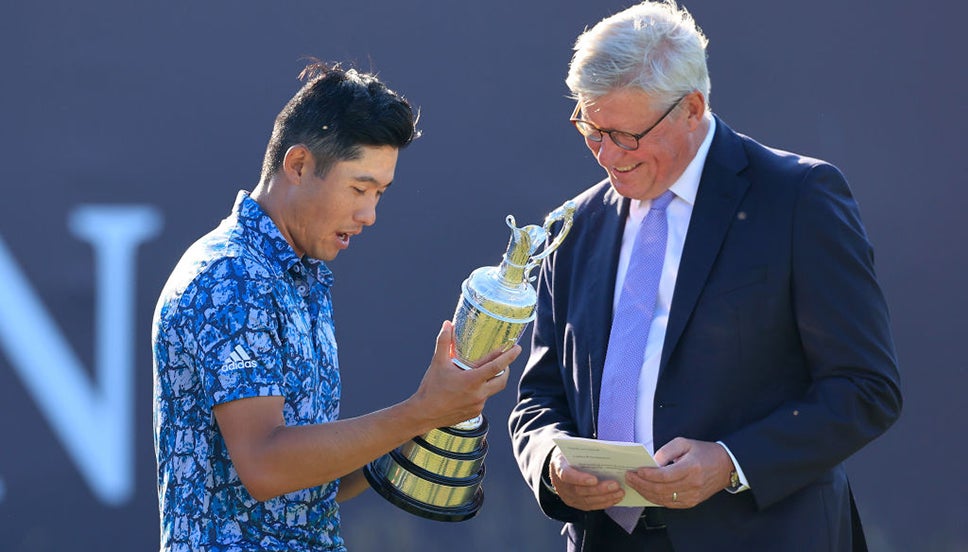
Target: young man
(251, 452)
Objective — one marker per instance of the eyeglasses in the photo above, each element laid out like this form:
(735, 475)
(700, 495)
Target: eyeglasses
(625, 140)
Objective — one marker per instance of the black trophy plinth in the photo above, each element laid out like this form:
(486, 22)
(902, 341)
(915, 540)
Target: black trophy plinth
(436, 476)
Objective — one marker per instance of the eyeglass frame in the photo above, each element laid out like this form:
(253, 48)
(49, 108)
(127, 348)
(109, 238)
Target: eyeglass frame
(602, 132)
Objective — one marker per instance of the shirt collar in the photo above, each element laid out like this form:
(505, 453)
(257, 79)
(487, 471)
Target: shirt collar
(261, 231)
(687, 185)
(318, 270)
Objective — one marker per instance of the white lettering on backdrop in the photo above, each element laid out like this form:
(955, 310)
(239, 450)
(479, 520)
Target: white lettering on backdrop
(93, 420)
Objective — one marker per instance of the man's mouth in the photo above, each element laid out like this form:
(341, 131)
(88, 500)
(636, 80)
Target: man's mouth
(344, 237)
(628, 168)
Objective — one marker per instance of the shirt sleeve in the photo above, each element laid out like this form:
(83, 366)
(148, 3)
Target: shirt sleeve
(235, 328)
(744, 485)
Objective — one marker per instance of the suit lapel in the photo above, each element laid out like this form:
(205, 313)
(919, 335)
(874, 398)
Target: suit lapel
(720, 192)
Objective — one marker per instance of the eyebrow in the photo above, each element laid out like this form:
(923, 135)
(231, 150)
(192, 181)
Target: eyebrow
(371, 180)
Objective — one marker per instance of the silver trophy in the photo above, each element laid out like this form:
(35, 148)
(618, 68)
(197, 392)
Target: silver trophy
(438, 475)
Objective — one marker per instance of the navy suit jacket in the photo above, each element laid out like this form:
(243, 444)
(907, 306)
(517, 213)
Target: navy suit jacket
(778, 344)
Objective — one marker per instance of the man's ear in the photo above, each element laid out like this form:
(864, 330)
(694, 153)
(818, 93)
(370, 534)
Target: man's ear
(695, 104)
(298, 163)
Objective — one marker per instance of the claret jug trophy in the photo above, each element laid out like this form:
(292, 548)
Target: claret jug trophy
(438, 475)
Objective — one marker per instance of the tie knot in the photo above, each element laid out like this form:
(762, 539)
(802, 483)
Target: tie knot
(661, 202)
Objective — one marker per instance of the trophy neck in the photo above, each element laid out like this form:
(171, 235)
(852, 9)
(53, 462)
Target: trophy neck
(517, 259)
(511, 274)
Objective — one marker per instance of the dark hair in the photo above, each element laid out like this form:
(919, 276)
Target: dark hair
(335, 113)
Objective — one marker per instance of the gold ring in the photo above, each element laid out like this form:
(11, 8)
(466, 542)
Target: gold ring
(675, 496)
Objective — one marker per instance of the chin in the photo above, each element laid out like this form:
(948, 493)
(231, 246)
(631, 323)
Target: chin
(321, 255)
(624, 189)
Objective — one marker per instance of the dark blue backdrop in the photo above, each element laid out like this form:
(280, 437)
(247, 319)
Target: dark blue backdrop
(157, 113)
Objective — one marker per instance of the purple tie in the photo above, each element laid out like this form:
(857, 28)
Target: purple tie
(627, 339)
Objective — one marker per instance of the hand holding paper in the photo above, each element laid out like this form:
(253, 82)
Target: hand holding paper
(608, 460)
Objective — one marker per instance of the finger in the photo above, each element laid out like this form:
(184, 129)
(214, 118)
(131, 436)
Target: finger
(561, 471)
(648, 484)
(662, 493)
(445, 339)
(653, 477)
(498, 366)
(606, 494)
(498, 381)
(606, 499)
(606, 489)
(590, 504)
(576, 477)
(679, 500)
(672, 451)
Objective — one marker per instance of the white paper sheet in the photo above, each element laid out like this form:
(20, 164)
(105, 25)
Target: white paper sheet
(608, 460)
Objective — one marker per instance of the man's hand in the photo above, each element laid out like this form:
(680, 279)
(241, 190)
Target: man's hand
(581, 490)
(689, 472)
(448, 394)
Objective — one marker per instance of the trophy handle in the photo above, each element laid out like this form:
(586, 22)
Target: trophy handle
(564, 213)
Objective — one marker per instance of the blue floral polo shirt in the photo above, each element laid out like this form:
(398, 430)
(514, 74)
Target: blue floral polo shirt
(241, 316)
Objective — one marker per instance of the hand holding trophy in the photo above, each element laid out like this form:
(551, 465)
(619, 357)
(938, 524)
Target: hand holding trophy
(438, 475)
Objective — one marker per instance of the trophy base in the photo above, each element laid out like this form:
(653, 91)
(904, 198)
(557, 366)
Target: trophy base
(437, 476)
(407, 503)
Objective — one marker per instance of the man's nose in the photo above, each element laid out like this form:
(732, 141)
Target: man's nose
(366, 214)
(607, 152)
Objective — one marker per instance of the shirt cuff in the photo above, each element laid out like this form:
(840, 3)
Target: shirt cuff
(744, 484)
(546, 481)
(546, 476)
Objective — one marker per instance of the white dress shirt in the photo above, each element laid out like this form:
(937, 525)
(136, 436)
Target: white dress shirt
(678, 214)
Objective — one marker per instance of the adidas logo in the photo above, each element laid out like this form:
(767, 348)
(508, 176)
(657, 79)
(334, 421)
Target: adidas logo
(239, 359)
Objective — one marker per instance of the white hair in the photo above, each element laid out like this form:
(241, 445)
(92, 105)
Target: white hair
(655, 46)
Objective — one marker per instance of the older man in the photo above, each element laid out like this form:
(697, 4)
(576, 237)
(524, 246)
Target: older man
(716, 301)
